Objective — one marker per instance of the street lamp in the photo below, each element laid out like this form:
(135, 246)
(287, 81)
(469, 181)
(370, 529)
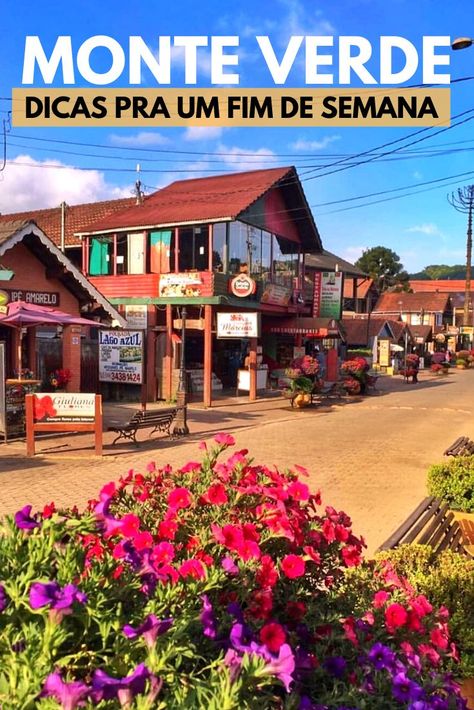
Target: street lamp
(181, 425)
(462, 43)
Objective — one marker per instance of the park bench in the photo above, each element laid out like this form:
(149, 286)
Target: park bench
(159, 419)
(461, 447)
(433, 524)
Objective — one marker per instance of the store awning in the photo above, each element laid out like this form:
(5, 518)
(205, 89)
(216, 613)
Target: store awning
(309, 327)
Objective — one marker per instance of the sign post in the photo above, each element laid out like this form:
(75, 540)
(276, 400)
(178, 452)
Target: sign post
(63, 411)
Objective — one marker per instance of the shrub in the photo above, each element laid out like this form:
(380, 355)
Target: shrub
(447, 581)
(453, 482)
(218, 585)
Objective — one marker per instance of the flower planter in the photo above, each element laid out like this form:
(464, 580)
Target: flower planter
(461, 366)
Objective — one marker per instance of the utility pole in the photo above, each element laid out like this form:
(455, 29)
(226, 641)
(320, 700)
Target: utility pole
(463, 201)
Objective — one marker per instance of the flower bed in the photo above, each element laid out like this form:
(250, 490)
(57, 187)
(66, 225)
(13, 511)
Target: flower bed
(218, 585)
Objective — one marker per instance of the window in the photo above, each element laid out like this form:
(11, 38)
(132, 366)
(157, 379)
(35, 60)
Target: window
(194, 248)
(100, 256)
(122, 254)
(266, 255)
(238, 249)
(219, 247)
(161, 251)
(285, 261)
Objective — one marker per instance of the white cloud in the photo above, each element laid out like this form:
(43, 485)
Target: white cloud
(142, 139)
(428, 228)
(26, 185)
(242, 160)
(202, 133)
(351, 254)
(314, 145)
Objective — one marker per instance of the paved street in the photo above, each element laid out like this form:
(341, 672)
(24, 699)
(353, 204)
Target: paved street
(368, 456)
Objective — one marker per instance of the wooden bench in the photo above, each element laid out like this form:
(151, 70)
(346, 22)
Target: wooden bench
(430, 524)
(159, 419)
(461, 447)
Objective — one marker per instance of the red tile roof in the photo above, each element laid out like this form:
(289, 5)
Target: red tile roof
(356, 329)
(402, 302)
(78, 218)
(363, 287)
(441, 285)
(218, 197)
(196, 200)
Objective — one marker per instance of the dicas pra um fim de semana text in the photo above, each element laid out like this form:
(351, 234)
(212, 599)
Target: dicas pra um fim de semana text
(394, 60)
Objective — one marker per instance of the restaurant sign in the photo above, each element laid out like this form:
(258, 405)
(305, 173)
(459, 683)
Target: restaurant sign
(242, 286)
(238, 325)
(136, 316)
(38, 298)
(64, 407)
(180, 285)
(121, 356)
(327, 298)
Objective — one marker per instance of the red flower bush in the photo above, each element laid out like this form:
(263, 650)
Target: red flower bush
(218, 585)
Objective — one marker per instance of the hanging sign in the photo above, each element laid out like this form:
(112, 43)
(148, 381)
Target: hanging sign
(327, 297)
(136, 317)
(238, 325)
(276, 295)
(121, 356)
(180, 285)
(242, 286)
(38, 298)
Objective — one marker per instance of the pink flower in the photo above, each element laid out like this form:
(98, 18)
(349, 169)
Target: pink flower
(216, 495)
(202, 446)
(224, 439)
(421, 605)
(190, 467)
(273, 636)
(439, 636)
(192, 568)
(380, 598)
(230, 536)
(163, 553)
(151, 467)
(298, 490)
(129, 525)
(293, 566)
(143, 540)
(267, 575)
(430, 653)
(249, 549)
(179, 498)
(168, 528)
(395, 616)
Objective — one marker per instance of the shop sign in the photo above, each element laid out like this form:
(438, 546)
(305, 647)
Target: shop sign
(190, 323)
(136, 316)
(121, 356)
(180, 285)
(64, 407)
(242, 286)
(384, 352)
(327, 297)
(238, 325)
(276, 295)
(466, 330)
(298, 352)
(440, 338)
(453, 330)
(38, 298)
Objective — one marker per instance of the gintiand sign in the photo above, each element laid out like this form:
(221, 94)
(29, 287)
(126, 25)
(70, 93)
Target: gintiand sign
(242, 286)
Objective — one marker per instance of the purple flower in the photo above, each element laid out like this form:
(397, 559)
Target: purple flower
(381, 657)
(235, 610)
(420, 705)
(405, 690)
(229, 566)
(3, 598)
(24, 520)
(70, 695)
(207, 617)
(240, 637)
(60, 599)
(282, 666)
(107, 688)
(336, 666)
(151, 628)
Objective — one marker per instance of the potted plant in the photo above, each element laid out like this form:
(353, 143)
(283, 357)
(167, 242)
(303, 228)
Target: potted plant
(439, 369)
(463, 359)
(299, 391)
(59, 379)
(354, 374)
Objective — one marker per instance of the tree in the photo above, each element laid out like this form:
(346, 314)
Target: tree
(384, 267)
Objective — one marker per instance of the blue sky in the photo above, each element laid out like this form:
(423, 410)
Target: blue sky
(422, 228)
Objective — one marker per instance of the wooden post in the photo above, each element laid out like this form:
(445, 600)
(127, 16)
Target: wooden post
(98, 425)
(207, 356)
(29, 423)
(176, 250)
(253, 369)
(168, 364)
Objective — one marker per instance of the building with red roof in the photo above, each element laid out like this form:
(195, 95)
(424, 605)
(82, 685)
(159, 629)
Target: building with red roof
(226, 247)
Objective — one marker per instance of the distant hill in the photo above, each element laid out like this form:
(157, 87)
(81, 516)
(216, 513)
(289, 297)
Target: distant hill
(440, 271)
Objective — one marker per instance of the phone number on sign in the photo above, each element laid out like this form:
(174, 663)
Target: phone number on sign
(125, 377)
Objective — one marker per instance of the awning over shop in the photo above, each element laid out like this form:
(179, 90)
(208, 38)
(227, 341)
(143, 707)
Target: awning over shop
(309, 327)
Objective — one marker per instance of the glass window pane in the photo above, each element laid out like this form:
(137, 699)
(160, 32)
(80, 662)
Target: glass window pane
(238, 253)
(194, 248)
(219, 250)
